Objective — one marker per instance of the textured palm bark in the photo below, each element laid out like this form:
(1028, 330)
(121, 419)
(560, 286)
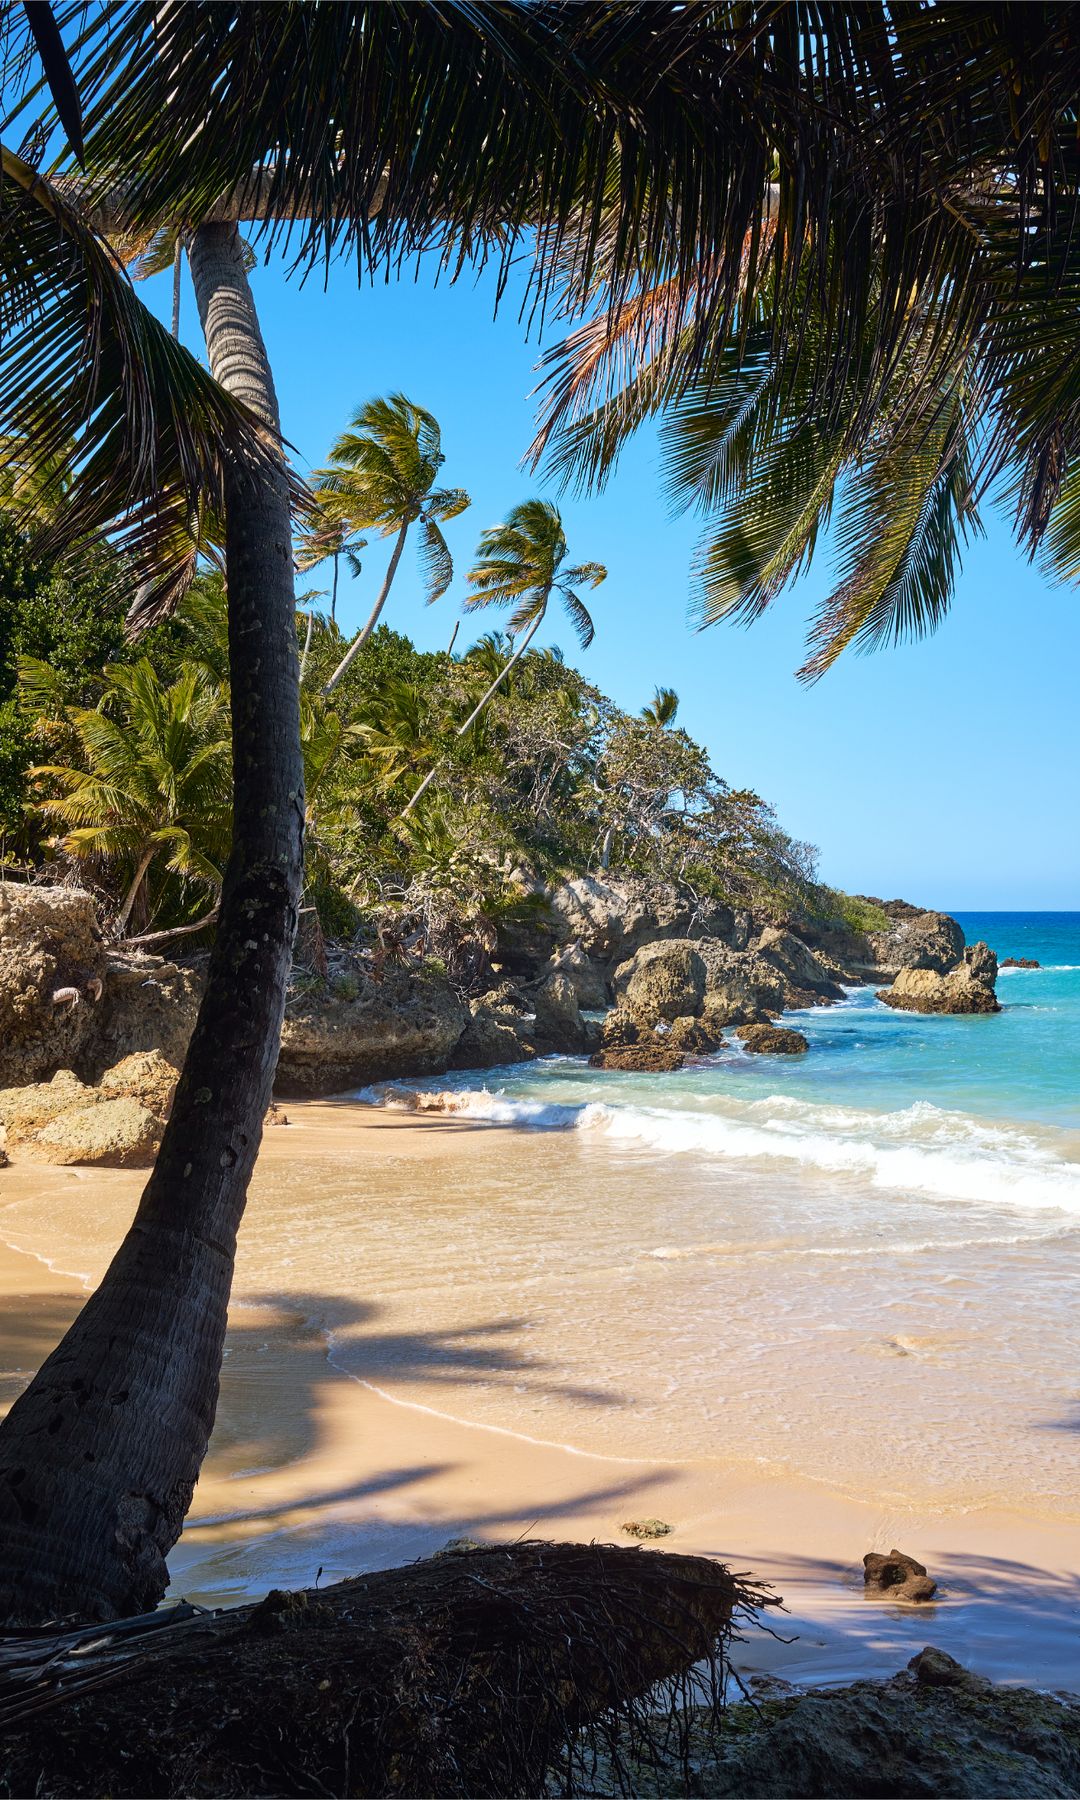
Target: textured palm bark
(100, 1456)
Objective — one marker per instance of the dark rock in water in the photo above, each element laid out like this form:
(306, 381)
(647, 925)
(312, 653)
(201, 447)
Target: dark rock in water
(772, 1040)
(936, 1668)
(1019, 962)
(897, 1575)
(639, 1059)
(694, 1036)
(968, 988)
(559, 1025)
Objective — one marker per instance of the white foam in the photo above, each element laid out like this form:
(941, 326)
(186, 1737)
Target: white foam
(922, 1149)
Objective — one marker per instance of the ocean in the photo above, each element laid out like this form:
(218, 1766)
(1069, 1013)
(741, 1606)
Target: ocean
(858, 1267)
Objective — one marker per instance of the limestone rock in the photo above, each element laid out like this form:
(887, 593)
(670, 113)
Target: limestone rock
(798, 964)
(589, 977)
(489, 1040)
(664, 980)
(692, 1036)
(897, 1575)
(144, 1076)
(612, 917)
(401, 1024)
(1019, 962)
(148, 1005)
(52, 966)
(772, 1040)
(559, 1025)
(655, 1058)
(969, 988)
(646, 1529)
(927, 940)
(26, 1111)
(740, 986)
(117, 1134)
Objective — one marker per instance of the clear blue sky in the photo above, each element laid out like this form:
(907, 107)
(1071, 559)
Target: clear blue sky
(945, 771)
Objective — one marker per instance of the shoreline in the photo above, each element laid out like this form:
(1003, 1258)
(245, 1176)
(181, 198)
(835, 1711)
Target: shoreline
(338, 1475)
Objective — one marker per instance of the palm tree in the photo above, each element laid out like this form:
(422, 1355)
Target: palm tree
(323, 537)
(155, 788)
(521, 564)
(381, 478)
(662, 708)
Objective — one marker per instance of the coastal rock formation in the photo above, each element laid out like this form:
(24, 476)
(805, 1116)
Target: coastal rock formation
(26, 1111)
(934, 1729)
(967, 988)
(693, 1036)
(558, 1022)
(489, 1040)
(148, 1004)
(144, 1076)
(368, 1029)
(52, 967)
(655, 1058)
(662, 981)
(918, 940)
(772, 1040)
(612, 918)
(589, 977)
(897, 1575)
(805, 972)
(116, 1134)
(1019, 962)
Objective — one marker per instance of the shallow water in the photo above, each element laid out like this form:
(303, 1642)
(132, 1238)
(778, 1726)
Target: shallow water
(860, 1267)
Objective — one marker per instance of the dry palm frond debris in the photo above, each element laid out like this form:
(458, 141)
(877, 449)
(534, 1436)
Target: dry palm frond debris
(489, 1672)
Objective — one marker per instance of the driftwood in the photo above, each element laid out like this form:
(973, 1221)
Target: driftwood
(473, 1673)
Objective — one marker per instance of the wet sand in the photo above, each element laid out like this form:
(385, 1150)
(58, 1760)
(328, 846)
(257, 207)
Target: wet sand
(313, 1470)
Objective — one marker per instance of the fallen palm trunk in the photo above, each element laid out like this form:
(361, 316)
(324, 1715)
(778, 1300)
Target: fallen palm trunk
(468, 1674)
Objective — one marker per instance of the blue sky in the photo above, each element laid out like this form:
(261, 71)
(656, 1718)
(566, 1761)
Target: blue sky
(944, 771)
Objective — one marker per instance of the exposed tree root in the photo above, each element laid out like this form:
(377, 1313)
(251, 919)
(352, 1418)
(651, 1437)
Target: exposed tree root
(477, 1673)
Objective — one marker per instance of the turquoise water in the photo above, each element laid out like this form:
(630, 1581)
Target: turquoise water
(887, 1228)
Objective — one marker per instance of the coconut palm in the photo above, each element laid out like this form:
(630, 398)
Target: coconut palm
(381, 477)
(522, 564)
(662, 708)
(154, 791)
(322, 537)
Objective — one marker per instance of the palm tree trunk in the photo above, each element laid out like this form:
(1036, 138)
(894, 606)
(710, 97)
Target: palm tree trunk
(478, 709)
(124, 914)
(361, 637)
(333, 591)
(100, 1455)
(177, 271)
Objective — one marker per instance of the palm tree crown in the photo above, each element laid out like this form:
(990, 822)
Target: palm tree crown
(662, 708)
(521, 563)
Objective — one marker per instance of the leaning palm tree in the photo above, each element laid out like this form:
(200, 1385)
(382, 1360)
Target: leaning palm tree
(662, 708)
(154, 788)
(522, 564)
(381, 478)
(321, 538)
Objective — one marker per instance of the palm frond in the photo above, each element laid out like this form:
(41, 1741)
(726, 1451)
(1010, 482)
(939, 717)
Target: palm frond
(436, 563)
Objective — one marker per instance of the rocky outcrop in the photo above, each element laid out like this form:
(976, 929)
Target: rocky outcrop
(364, 1029)
(661, 981)
(608, 918)
(115, 1134)
(589, 977)
(1019, 962)
(558, 1022)
(25, 1112)
(491, 1039)
(145, 1077)
(148, 1004)
(52, 969)
(810, 981)
(772, 1040)
(927, 940)
(657, 1057)
(967, 988)
(935, 1729)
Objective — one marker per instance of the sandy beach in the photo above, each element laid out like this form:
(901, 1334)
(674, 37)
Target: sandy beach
(317, 1467)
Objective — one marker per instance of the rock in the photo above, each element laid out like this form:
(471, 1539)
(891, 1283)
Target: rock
(489, 1040)
(1019, 962)
(661, 981)
(26, 1111)
(740, 986)
(897, 1575)
(369, 1030)
(798, 964)
(148, 1005)
(144, 1076)
(893, 1739)
(969, 988)
(646, 1529)
(274, 1115)
(936, 1668)
(613, 917)
(927, 940)
(656, 1058)
(3, 1157)
(589, 977)
(116, 1134)
(772, 1040)
(52, 966)
(559, 1025)
(693, 1037)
